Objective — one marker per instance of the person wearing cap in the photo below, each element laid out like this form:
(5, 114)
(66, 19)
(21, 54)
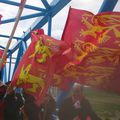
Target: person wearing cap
(76, 106)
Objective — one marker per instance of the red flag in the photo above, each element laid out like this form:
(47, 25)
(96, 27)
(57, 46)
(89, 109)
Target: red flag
(76, 22)
(96, 49)
(22, 77)
(35, 70)
(46, 65)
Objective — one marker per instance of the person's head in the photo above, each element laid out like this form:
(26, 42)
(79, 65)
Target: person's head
(77, 91)
(2, 89)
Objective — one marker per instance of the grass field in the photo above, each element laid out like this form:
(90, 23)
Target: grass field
(106, 105)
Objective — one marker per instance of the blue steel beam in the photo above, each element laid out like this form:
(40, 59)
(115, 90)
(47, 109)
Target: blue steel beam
(4, 48)
(24, 45)
(49, 25)
(22, 49)
(56, 8)
(19, 55)
(6, 36)
(40, 22)
(15, 47)
(4, 74)
(23, 17)
(45, 3)
(26, 6)
(108, 5)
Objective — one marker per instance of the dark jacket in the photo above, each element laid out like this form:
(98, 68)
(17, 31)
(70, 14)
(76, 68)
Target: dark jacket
(31, 109)
(67, 110)
(13, 103)
(48, 108)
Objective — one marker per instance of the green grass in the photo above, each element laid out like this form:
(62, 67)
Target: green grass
(105, 104)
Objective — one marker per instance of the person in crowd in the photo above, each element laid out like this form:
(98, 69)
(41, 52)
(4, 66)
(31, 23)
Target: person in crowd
(2, 104)
(48, 107)
(13, 103)
(76, 106)
(31, 110)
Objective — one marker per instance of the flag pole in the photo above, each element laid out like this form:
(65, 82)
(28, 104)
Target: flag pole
(20, 10)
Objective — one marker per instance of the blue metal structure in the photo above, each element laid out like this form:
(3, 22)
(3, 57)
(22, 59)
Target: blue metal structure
(44, 15)
(108, 5)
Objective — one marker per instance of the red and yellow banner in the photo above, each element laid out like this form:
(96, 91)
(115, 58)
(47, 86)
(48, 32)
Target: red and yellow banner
(95, 47)
(89, 53)
(35, 70)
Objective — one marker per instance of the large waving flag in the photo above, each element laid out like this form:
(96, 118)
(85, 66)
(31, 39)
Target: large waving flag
(35, 70)
(96, 49)
(89, 54)
(78, 20)
(85, 26)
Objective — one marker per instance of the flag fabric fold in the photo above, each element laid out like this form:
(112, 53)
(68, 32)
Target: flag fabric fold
(35, 70)
(95, 47)
(89, 53)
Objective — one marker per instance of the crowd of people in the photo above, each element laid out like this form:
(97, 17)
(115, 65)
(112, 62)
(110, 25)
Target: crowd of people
(17, 106)
(21, 106)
